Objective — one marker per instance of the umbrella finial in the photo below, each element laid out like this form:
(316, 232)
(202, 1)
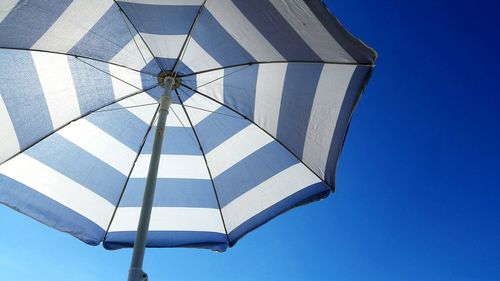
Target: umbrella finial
(163, 76)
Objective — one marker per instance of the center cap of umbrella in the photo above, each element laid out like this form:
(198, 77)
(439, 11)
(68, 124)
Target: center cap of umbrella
(163, 75)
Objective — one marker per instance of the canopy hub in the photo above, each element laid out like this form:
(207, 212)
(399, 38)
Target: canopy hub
(163, 76)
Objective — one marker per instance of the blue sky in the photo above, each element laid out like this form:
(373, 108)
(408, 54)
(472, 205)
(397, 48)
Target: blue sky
(418, 186)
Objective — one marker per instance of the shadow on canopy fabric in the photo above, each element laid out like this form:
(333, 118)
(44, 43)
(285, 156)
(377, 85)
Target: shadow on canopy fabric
(268, 90)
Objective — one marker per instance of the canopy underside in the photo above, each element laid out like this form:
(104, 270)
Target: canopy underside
(256, 128)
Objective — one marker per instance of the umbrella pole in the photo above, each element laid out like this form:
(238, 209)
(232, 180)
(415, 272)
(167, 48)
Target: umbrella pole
(135, 272)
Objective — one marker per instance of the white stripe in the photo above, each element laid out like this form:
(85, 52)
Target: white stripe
(166, 2)
(120, 88)
(58, 187)
(73, 25)
(236, 148)
(245, 33)
(266, 194)
(214, 83)
(197, 59)
(169, 46)
(332, 87)
(269, 89)
(173, 166)
(164, 46)
(98, 143)
(176, 117)
(55, 77)
(169, 219)
(6, 6)
(305, 23)
(194, 103)
(131, 56)
(143, 112)
(9, 144)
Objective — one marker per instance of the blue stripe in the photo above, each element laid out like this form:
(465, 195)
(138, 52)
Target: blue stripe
(307, 195)
(175, 100)
(251, 171)
(276, 29)
(28, 21)
(30, 116)
(147, 81)
(89, 171)
(185, 93)
(121, 124)
(352, 95)
(151, 68)
(156, 93)
(299, 89)
(182, 70)
(160, 19)
(239, 89)
(93, 87)
(219, 44)
(109, 35)
(217, 128)
(162, 239)
(193, 193)
(177, 140)
(190, 81)
(47, 211)
(168, 65)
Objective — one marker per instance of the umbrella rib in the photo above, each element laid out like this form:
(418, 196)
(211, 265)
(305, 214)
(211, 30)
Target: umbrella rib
(223, 76)
(140, 36)
(206, 110)
(272, 62)
(275, 139)
(131, 34)
(125, 107)
(188, 37)
(182, 124)
(78, 118)
(206, 163)
(105, 72)
(131, 170)
(77, 56)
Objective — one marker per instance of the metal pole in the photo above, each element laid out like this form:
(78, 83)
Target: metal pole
(135, 272)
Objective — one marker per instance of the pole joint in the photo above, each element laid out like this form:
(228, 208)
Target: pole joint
(136, 273)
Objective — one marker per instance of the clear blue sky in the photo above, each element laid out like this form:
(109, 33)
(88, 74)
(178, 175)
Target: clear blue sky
(418, 190)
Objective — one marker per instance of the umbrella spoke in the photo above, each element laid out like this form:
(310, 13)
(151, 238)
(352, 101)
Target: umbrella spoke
(125, 107)
(78, 56)
(138, 33)
(207, 110)
(223, 76)
(188, 38)
(123, 16)
(105, 72)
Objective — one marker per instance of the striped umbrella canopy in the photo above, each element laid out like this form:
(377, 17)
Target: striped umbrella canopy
(259, 97)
